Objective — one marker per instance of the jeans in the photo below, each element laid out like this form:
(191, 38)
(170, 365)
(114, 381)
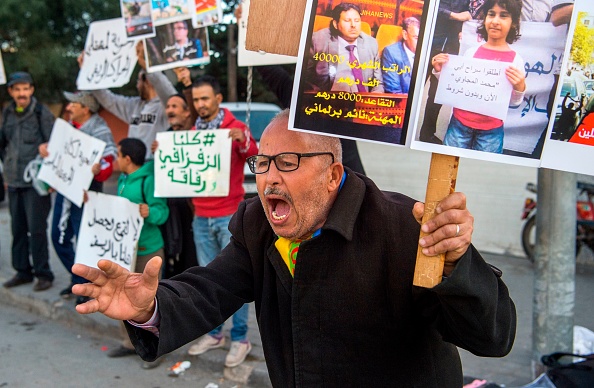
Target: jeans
(65, 226)
(211, 235)
(28, 213)
(461, 136)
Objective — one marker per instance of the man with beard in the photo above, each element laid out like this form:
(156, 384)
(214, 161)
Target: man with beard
(329, 260)
(180, 250)
(144, 114)
(26, 123)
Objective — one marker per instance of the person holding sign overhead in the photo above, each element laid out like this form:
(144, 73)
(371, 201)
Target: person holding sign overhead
(336, 53)
(500, 27)
(329, 260)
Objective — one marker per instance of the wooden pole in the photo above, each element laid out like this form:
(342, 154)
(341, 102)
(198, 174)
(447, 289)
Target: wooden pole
(440, 183)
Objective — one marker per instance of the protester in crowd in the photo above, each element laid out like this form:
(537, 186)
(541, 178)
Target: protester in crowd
(26, 123)
(184, 48)
(332, 285)
(145, 113)
(180, 250)
(398, 58)
(345, 39)
(137, 183)
(66, 219)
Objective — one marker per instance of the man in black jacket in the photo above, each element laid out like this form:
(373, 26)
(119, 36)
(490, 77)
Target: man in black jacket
(329, 260)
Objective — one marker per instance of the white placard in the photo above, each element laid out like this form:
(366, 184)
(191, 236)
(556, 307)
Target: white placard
(254, 58)
(109, 57)
(72, 154)
(2, 72)
(476, 85)
(110, 229)
(193, 163)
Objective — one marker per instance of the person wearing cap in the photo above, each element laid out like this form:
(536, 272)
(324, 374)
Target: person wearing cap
(26, 123)
(82, 109)
(144, 113)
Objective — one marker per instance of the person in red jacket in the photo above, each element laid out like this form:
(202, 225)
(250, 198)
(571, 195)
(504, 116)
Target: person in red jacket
(212, 214)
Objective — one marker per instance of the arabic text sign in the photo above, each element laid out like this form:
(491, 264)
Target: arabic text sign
(109, 57)
(476, 85)
(193, 163)
(110, 229)
(72, 154)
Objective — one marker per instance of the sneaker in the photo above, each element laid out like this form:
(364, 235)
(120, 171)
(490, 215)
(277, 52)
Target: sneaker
(42, 285)
(67, 292)
(206, 343)
(16, 280)
(238, 352)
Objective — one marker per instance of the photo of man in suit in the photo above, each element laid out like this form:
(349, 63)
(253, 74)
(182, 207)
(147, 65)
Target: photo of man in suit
(184, 47)
(337, 51)
(398, 58)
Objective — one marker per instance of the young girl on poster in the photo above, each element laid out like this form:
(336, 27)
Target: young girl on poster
(499, 28)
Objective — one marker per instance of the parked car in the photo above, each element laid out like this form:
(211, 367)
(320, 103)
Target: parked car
(260, 116)
(589, 85)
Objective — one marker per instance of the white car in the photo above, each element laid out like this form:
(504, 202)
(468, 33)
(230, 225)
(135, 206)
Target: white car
(260, 116)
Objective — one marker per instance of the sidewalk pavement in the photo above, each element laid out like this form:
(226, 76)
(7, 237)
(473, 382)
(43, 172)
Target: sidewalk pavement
(512, 371)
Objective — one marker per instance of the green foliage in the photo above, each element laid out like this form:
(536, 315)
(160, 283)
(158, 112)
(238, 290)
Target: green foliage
(582, 45)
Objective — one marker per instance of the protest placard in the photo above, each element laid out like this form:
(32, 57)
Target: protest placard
(109, 57)
(109, 230)
(138, 18)
(207, 13)
(72, 154)
(177, 44)
(193, 163)
(363, 89)
(477, 85)
(168, 11)
(254, 58)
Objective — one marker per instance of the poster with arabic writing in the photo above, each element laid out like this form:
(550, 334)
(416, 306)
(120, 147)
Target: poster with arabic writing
(109, 230)
(109, 57)
(356, 69)
(193, 163)
(531, 54)
(571, 137)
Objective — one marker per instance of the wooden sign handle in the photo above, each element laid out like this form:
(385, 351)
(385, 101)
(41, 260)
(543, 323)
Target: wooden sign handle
(440, 183)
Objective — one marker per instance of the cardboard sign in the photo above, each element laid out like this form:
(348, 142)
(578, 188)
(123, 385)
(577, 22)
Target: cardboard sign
(72, 154)
(193, 163)
(109, 230)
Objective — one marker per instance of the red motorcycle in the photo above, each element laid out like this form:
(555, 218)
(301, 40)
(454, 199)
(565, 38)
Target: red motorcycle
(585, 220)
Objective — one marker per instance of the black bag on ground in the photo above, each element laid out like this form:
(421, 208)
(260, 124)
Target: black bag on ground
(570, 374)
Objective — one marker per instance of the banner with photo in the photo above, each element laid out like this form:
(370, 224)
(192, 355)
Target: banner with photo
(515, 136)
(137, 15)
(571, 135)
(109, 57)
(72, 154)
(168, 11)
(356, 69)
(177, 44)
(207, 13)
(109, 230)
(193, 163)
(253, 58)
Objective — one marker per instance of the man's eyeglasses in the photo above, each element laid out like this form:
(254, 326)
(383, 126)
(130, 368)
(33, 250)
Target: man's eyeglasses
(287, 161)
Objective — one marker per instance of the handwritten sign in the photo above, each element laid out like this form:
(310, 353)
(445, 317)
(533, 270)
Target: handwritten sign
(109, 57)
(193, 163)
(476, 85)
(110, 229)
(2, 72)
(72, 154)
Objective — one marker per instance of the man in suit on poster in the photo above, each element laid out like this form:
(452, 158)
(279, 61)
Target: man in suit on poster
(401, 54)
(335, 49)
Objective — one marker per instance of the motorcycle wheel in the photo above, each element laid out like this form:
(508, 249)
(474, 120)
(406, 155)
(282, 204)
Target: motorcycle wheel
(529, 237)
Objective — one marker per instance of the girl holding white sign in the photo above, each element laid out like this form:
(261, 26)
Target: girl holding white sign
(499, 28)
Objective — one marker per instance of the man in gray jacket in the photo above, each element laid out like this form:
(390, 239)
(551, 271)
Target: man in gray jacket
(25, 125)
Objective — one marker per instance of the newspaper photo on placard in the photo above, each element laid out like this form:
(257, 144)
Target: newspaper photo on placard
(177, 44)
(68, 167)
(137, 15)
(193, 163)
(207, 13)
(254, 58)
(167, 11)
(109, 56)
(356, 69)
(571, 139)
(109, 230)
(456, 114)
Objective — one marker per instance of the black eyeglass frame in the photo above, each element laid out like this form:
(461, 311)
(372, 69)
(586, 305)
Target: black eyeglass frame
(252, 160)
